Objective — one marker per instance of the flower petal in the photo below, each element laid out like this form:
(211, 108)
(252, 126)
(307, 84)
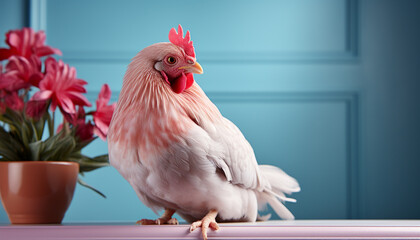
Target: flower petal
(46, 50)
(35, 109)
(104, 96)
(99, 133)
(66, 105)
(79, 99)
(5, 53)
(42, 95)
(13, 39)
(14, 101)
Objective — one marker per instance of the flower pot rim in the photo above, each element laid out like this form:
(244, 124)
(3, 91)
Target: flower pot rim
(40, 162)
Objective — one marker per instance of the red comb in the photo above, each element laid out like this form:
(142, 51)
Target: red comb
(180, 41)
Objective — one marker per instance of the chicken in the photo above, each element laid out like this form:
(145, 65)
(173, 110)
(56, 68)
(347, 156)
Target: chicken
(178, 152)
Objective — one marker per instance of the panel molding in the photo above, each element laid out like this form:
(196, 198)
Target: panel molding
(348, 97)
(350, 100)
(352, 29)
(38, 15)
(38, 20)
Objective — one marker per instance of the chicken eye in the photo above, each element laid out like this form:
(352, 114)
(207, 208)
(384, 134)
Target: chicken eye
(171, 60)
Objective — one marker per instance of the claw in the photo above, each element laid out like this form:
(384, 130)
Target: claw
(214, 226)
(159, 221)
(146, 222)
(172, 221)
(195, 225)
(208, 221)
(166, 218)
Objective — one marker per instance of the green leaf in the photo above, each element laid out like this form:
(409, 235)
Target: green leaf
(9, 147)
(8, 153)
(38, 128)
(50, 124)
(36, 150)
(88, 164)
(11, 117)
(80, 145)
(25, 134)
(58, 147)
(81, 182)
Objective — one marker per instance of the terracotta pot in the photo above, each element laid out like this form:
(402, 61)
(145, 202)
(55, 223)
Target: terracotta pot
(34, 192)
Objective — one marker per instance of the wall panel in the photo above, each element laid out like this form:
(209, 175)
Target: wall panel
(284, 71)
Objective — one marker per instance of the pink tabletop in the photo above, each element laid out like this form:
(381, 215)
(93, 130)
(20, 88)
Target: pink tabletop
(301, 229)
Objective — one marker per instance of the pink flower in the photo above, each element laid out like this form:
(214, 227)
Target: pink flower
(14, 101)
(103, 114)
(74, 117)
(6, 78)
(26, 73)
(36, 109)
(84, 129)
(26, 43)
(62, 87)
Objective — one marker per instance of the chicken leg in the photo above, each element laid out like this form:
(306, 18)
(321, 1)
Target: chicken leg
(166, 218)
(208, 221)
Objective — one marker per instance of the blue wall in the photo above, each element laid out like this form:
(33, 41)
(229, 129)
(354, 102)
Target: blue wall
(326, 90)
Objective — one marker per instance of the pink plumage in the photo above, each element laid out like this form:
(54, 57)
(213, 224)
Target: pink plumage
(171, 143)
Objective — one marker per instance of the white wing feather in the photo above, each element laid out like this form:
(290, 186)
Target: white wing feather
(237, 159)
(240, 167)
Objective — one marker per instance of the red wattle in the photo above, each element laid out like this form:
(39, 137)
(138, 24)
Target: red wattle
(190, 80)
(179, 84)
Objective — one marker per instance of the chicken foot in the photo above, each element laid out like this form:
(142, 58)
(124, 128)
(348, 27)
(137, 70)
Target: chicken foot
(208, 221)
(166, 218)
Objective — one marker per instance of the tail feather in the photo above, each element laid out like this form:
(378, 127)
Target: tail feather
(279, 208)
(281, 196)
(281, 184)
(264, 217)
(279, 180)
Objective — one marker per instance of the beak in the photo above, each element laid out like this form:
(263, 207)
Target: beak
(194, 68)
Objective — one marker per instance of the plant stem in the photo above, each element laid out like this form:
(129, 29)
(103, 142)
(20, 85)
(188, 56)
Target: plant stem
(66, 127)
(51, 123)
